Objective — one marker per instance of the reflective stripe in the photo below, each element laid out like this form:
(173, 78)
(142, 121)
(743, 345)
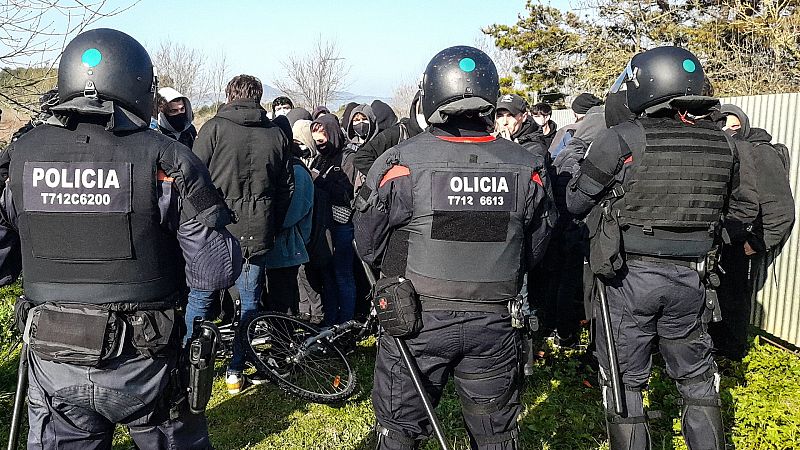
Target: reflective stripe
(467, 139)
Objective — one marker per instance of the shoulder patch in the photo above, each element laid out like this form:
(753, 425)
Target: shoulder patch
(396, 171)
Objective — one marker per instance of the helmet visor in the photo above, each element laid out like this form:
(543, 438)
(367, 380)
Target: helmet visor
(629, 74)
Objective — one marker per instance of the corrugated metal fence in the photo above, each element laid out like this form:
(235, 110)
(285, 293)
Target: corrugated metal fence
(776, 306)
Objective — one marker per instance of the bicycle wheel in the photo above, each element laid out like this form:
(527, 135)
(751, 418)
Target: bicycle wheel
(315, 371)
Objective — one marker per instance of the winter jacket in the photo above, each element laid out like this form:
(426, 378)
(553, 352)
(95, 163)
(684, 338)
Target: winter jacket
(775, 200)
(530, 136)
(386, 139)
(188, 133)
(292, 238)
(548, 138)
(249, 160)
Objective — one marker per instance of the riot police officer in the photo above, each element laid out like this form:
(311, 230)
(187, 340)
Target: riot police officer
(658, 186)
(104, 213)
(461, 214)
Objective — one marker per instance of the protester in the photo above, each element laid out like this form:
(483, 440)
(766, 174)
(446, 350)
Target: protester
(298, 114)
(541, 113)
(384, 114)
(771, 228)
(319, 111)
(580, 108)
(512, 123)
(338, 296)
(281, 106)
(249, 160)
(284, 259)
(175, 116)
(388, 138)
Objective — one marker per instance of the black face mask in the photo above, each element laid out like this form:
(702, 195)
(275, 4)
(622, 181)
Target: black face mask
(324, 149)
(178, 121)
(361, 129)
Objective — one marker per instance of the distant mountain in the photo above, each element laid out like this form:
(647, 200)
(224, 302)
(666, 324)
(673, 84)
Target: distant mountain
(341, 98)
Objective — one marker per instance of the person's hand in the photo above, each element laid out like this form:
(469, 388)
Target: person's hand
(748, 250)
(314, 174)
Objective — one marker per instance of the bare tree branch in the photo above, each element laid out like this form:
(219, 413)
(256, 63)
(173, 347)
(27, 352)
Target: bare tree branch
(314, 78)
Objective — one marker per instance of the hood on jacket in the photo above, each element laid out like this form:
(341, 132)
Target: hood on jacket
(384, 114)
(347, 109)
(169, 94)
(248, 113)
(759, 136)
(336, 138)
(728, 109)
(320, 110)
(373, 123)
(301, 131)
(296, 114)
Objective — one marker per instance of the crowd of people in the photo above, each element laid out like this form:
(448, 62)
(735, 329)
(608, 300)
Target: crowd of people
(276, 206)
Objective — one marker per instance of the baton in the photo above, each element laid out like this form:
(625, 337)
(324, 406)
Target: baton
(411, 365)
(19, 398)
(613, 362)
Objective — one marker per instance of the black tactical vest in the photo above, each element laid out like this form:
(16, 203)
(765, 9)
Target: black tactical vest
(678, 189)
(88, 216)
(466, 235)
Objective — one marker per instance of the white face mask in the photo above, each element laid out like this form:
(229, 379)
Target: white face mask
(282, 111)
(540, 120)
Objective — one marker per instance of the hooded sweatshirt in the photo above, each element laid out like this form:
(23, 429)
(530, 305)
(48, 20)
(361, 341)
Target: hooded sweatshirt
(384, 114)
(373, 125)
(301, 132)
(187, 133)
(388, 138)
(328, 163)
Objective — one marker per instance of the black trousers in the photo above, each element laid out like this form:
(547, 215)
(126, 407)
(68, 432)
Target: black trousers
(660, 303)
(480, 350)
(283, 292)
(77, 407)
(735, 294)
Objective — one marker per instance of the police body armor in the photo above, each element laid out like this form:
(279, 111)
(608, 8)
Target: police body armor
(465, 241)
(88, 216)
(674, 200)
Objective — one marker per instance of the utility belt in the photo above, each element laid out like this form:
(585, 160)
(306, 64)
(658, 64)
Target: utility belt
(90, 335)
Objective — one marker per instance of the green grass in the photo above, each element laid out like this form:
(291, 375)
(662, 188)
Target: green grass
(562, 408)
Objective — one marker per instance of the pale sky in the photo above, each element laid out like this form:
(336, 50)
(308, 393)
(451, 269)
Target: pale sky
(386, 43)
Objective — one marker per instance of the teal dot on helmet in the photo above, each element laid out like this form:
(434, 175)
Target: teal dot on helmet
(689, 65)
(91, 57)
(467, 64)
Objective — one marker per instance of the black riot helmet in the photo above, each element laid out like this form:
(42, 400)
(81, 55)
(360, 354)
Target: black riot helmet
(457, 73)
(110, 65)
(658, 75)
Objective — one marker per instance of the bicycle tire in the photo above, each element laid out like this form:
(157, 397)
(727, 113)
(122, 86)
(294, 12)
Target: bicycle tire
(323, 375)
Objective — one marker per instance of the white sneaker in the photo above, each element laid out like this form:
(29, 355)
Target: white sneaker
(234, 383)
